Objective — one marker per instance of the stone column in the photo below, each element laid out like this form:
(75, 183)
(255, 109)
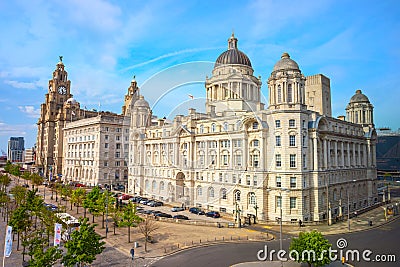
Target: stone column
(354, 163)
(325, 152)
(335, 155)
(348, 154)
(315, 152)
(342, 154)
(329, 154)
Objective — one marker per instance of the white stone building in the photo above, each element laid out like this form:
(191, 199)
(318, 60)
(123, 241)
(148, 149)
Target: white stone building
(243, 159)
(96, 150)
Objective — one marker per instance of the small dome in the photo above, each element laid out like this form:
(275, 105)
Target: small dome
(286, 63)
(233, 55)
(359, 97)
(141, 103)
(71, 101)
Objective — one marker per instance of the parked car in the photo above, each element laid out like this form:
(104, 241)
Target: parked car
(155, 204)
(119, 187)
(79, 185)
(181, 217)
(134, 199)
(175, 209)
(51, 207)
(117, 194)
(196, 211)
(213, 214)
(25, 185)
(143, 201)
(124, 197)
(154, 212)
(165, 215)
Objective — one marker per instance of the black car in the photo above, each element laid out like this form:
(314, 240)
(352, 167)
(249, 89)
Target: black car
(164, 215)
(155, 203)
(214, 214)
(181, 217)
(196, 211)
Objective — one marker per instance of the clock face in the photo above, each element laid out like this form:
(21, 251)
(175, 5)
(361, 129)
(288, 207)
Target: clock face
(62, 90)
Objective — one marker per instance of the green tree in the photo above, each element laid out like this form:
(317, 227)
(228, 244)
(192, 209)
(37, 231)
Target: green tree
(78, 196)
(116, 215)
(312, 248)
(146, 228)
(103, 203)
(36, 179)
(4, 182)
(42, 256)
(20, 221)
(91, 202)
(19, 193)
(8, 166)
(83, 247)
(129, 218)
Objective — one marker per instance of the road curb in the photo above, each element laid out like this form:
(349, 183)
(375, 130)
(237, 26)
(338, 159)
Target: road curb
(213, 243)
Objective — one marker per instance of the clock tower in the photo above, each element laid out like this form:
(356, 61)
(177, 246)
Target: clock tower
(55, 111)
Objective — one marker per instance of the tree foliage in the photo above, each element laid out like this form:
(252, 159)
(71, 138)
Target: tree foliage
(129, 218)
(42, 256)
(83, 247)
(78, 196)
(315, 243)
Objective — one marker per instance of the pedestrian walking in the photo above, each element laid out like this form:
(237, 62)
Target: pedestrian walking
(132, 253)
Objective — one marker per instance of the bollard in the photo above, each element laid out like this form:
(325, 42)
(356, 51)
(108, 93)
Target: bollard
(192, 242)
(215, 239)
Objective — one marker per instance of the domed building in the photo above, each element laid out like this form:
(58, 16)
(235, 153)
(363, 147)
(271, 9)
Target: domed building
(238, 157)
(244, 160)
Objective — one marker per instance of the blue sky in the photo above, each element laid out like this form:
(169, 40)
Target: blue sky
(171, 45)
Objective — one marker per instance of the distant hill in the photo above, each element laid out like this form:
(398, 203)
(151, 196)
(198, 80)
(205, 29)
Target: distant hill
(388, 152)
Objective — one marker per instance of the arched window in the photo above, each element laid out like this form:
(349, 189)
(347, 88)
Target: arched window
(211, 192)
(225, 126)
(202, 128)
(252, 199)
(154, 186)
(223, 193)
(238, 123)
(161, 186)
(199, 190)
(255, 158)
(147, 185)
(237, 196)
(213, 127)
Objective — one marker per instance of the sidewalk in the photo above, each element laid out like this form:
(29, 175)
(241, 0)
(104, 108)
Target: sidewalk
(358, 223)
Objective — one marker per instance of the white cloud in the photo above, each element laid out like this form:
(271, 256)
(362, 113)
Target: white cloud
(21, 85)
(15, 129)
(30, 111)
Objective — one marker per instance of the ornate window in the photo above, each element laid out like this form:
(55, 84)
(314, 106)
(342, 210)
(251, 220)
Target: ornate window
(211, 192)
(199, 190)
(278, 181)
(213, 127)
(201, 128)
(223, 193)
(237, 196)
(226, 126)
(278, 140)
(292, 161)
(278, 160)
(292, 140)
(252, 199)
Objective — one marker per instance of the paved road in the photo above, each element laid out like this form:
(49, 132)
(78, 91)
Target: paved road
(382, 240)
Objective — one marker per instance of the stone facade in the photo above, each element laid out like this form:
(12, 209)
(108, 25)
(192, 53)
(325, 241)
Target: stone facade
(246, 160)
(96, 150)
